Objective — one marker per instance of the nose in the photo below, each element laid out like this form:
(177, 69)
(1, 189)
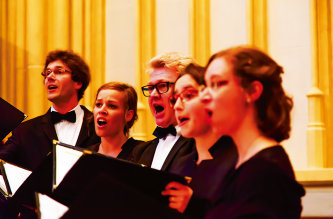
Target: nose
(102, 110)
(205, 95)
(50, 76)
(154, 93)
(178, 106)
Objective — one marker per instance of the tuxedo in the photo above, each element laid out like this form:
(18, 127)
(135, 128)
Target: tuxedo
(181, 159)
(31, 141)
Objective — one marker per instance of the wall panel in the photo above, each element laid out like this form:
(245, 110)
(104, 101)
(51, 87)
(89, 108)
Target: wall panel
(30, 29)
(172, 26)
(228, 24)
(290, 45)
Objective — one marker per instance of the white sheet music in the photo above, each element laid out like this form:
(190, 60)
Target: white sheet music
(65, 160)
(3, 184)
(49, 208)
(16, 176)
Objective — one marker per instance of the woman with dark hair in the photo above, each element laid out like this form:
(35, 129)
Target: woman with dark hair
(246, 101)
(216, 154)
(115, 112)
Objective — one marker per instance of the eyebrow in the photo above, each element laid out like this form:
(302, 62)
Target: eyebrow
(159, 81)
(186, 88)
(58, 66)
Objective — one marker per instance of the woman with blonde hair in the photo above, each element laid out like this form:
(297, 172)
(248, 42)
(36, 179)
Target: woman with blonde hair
(115, 112)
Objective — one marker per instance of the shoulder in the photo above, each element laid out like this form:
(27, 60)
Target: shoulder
(273, 159)
(187, 144)
(85, 109)
(141, 146)
(262, 186)
(94, 147)
(135, 142)
(88, 115)
(29, 124)
(269, 171)
(143, 151)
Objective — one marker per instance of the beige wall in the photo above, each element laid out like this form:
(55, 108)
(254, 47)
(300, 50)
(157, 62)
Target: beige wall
(118, 37)
(288, 36)
(283, 28)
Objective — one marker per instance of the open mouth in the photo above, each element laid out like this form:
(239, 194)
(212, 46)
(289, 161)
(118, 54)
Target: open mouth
(101, 122)
(209, 112)
(182, 120)
(52, 87)
(158, 108)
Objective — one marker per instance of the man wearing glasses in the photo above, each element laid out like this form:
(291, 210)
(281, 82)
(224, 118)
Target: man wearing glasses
(66, 76)
(168, 151)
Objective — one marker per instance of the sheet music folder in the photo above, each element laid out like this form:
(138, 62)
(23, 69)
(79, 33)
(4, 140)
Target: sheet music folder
(90, 165)
(10, 118)
(11, 178)
(117, 200)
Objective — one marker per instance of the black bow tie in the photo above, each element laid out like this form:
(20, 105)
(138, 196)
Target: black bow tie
(57, 117)
(162, 132)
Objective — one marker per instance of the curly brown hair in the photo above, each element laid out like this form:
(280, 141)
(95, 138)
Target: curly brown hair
(274, 106)
(79, 68)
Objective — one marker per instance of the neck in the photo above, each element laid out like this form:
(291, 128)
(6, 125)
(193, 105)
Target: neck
(249, 140)
(203, 143)
(111, 146)
(64, 107)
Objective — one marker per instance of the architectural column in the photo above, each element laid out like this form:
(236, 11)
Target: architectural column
(320, 99)
(35, 47)
(200, 30)
(146, 48)
(257, 24)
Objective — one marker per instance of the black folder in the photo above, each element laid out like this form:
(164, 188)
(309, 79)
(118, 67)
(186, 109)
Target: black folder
(85, 171)
(10, 118)
(106, 197)
(90, 165)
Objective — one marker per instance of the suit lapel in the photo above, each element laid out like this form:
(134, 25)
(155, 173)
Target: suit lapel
(47, 127)
(149, 152)
(180, 142)
(85, 128)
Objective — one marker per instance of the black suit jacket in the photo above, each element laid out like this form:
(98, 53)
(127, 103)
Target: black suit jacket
(32, 140)
(181, 159)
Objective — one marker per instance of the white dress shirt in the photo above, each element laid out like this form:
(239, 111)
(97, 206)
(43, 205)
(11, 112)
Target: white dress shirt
(163, 148)
(68, 132)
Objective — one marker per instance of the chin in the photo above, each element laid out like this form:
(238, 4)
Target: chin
(186, 133)
(161, 123)
(99, 133)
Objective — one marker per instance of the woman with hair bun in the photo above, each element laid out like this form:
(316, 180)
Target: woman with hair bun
(246, 100)
(115, 112)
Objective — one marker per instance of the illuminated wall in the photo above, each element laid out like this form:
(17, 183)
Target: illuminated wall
(119, 37)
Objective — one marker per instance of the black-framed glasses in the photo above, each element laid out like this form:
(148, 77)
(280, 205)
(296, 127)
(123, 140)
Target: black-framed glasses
(57, 71)
(161, 88)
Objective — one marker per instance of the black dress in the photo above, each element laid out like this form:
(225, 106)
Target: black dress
(262, 187)
(126, 148)
(209, 175)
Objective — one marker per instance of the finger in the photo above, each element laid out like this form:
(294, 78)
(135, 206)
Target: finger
(172, 199)
(172, 192)
(173, 185)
